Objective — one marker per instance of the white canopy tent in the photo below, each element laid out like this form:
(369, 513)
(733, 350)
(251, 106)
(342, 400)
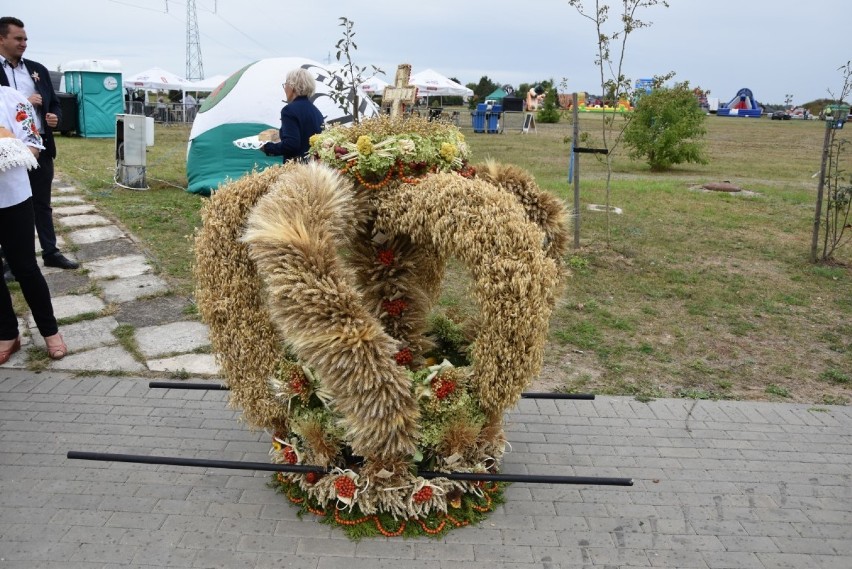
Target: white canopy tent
(156, 78)
(430, 83)
(374, 85)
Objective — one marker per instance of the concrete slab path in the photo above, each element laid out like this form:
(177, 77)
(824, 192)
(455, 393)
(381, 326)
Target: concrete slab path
(718, 485)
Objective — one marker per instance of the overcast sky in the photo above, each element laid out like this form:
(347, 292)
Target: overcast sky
(773, 47)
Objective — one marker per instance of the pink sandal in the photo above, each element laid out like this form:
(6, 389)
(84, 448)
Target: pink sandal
(56, 350)
(6, 354)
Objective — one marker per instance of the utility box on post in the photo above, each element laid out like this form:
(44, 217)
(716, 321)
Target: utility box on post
(133, 135)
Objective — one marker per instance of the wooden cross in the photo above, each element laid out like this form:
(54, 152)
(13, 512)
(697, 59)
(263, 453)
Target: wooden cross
(400, 93)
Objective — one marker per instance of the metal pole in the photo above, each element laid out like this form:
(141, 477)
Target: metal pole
(220, 387)
(303, 469)
(184, 385)
(575, 161)
(581, 396)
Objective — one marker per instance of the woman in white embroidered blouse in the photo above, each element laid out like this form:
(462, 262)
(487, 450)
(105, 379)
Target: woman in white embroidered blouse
(20, 144)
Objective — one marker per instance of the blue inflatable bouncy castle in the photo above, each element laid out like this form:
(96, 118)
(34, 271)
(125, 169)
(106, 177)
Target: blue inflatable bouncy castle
(742, 105)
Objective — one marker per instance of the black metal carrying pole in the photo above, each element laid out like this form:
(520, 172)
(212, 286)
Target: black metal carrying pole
(220, 387)
(304, 469)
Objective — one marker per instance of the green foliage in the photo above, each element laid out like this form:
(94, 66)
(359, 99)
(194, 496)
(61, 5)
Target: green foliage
(549, 112)
(609, 61)
(345, 92)
(836, 376)
(773, 389)
(667, 128)
(451, 343)
(481, 90)
(832, 215)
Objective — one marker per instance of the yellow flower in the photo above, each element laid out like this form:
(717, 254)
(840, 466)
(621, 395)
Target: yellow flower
(313, 139)
(448, 151)
(364, 145)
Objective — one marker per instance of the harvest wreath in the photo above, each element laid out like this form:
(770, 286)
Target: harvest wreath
(317, 281)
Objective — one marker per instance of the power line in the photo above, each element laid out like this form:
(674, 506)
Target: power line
(141, 7)
(244, 34)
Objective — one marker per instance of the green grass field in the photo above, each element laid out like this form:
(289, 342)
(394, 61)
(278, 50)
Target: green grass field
(694, 293)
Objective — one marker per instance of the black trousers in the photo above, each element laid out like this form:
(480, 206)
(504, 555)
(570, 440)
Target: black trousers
(41, 181)
(16, 238)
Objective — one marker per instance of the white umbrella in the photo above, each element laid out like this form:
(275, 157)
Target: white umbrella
(374, 86)
(430, 83)
(156, 78)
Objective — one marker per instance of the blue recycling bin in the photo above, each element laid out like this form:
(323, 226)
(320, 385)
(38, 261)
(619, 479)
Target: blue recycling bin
(493, 118)
(477, 118)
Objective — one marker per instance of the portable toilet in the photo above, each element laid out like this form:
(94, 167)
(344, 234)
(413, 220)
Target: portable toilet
(100, 96)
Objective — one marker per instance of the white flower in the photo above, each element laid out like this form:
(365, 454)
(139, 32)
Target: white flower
(407, 146)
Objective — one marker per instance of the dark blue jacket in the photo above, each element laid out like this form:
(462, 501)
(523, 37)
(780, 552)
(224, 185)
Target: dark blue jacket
(50, 102)
(300, 120)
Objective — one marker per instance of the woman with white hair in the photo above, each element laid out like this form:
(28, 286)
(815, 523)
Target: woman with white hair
(20, 144)
(300, 119)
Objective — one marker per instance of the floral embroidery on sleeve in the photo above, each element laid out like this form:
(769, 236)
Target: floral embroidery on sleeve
(24, 115)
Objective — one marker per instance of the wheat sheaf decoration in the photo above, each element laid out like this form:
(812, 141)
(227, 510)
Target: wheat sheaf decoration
(318, 282)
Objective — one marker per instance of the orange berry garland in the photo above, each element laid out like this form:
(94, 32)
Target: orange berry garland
(433, 531)
(373, 186)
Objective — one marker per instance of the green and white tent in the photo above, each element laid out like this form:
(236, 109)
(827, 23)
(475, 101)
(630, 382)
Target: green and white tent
(246, 103)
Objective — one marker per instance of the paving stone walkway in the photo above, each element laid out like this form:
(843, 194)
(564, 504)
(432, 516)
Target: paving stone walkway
(115, 287)
(718, 485)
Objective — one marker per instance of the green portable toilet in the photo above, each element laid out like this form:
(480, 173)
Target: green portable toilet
(100, 96)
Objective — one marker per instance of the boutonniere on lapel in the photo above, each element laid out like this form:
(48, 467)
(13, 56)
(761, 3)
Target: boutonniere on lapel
(35, 76)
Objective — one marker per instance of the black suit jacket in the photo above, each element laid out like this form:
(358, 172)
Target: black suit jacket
(50, 102)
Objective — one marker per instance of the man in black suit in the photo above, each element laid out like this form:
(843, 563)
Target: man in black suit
(32, 79)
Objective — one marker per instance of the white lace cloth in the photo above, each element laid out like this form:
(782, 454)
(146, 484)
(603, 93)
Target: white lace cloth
(249, 143)
(14, 153)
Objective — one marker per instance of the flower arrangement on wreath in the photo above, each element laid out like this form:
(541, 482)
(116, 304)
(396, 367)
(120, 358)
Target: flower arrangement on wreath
(381, 153)
(332, 352)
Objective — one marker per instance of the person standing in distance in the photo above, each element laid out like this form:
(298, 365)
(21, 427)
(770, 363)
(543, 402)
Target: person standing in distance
(300, 119)
(32, 80)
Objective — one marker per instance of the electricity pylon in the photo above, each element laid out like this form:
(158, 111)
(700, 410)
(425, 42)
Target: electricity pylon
(194, 65)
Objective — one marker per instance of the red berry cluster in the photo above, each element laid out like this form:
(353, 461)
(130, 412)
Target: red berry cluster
(423, 495)
(404, 357)
(467, 171)
(443, 387)
(312, 477)
(340, 151)
(298, 381)
(386, 257)
(394, 307)
(290, 456)
(344, 486)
